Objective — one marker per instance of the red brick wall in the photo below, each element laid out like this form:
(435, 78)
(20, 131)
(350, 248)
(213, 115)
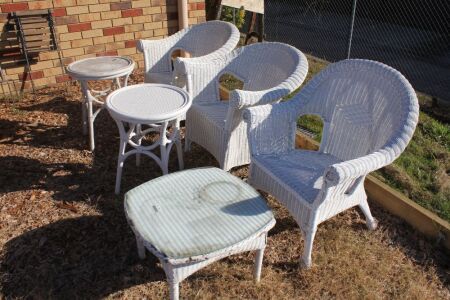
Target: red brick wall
(89, 28)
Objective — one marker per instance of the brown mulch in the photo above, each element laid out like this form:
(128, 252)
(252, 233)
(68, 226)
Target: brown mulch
(63, 233)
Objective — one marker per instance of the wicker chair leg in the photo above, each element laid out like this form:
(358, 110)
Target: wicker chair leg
(371, 222)
(174, 290)
(258, 264)
(309, 239)
(84, 116)
(120, 161)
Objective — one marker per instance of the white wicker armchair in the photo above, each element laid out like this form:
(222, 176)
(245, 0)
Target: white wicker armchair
(269, 72)
(370, 112)
(208, 40)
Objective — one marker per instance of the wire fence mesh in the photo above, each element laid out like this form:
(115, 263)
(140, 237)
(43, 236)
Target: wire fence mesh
(412, 36)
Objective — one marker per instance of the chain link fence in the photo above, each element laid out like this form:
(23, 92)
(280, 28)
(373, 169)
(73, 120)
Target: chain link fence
(413, 36)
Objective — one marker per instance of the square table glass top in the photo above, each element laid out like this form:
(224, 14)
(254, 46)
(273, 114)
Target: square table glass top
(196, 212)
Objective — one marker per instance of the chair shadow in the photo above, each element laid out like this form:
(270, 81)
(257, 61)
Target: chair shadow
(76, 181)
(86, 257)
(248, 207)
(283, 224)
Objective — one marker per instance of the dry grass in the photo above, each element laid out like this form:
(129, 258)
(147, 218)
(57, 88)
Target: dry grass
(63, 233)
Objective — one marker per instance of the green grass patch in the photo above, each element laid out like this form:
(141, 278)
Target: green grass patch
(422, 172)
(230, 82)
(313, 124)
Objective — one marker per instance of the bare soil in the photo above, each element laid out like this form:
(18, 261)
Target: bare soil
(63, 233)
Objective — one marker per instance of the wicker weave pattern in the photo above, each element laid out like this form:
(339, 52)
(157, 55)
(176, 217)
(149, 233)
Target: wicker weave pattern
(210, 39)
(269, 71)
(217, 215)
(370, 112)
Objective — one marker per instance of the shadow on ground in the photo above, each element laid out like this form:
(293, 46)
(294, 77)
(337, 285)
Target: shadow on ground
(76, 258)
(34, 133)
(94, 255)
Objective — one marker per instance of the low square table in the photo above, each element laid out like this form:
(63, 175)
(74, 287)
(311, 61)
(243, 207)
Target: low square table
(192, 218)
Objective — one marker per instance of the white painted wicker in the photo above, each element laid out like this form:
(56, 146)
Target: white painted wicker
(115, 68)
(193, 218)
(370, 112)
(206, 40)
(269, 71)
(156, 106)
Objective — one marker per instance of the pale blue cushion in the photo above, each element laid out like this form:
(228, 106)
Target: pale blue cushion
(301, 170)
(196, 212)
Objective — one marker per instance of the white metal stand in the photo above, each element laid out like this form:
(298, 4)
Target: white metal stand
(114, 68)
(143, 109)
(93, 103)
(133, 136)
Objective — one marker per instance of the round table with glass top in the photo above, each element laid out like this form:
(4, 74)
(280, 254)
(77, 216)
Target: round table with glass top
(142, 109)
(114, 68)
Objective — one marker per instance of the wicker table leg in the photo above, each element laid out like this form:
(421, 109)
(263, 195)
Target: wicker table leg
(133, 137)
(258, 264)
(165, 146)
(96, 98)
(88, 115)
(176, 273)
(84, 115)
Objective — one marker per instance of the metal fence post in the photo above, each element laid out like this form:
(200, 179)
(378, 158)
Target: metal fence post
(350, 35)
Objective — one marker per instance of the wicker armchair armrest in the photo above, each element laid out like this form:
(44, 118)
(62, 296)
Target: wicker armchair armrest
(349, 170)
(240, 99)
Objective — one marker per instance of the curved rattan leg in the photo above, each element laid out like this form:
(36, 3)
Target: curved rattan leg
(91, 125)
(371, 222)
(89, 112)
(258, 264)
(84, 115)
(174, 290)
(309, 235)
(163, 148)
(125, 80)
(121, 156)
(117, 82)
(173, 279)
(138, 141)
